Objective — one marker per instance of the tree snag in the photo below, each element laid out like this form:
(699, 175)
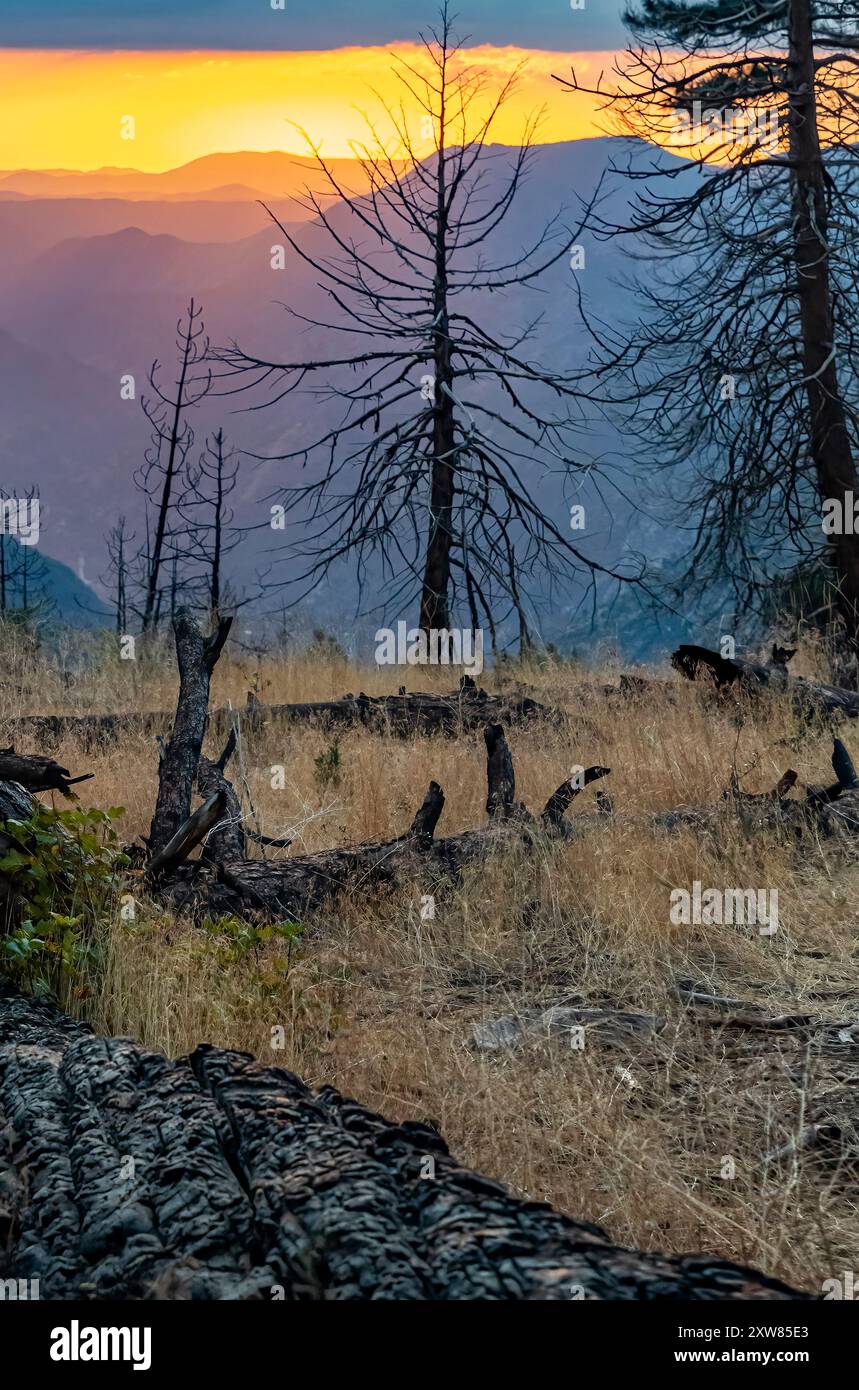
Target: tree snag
(197, 656)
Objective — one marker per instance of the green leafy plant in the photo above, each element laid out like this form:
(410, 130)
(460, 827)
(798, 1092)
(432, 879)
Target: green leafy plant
(244, 938)
(61, 873)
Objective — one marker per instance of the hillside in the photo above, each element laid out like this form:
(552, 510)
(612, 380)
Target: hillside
(103, 282)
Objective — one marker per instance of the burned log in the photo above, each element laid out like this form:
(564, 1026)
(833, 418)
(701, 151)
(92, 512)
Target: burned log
(38, 774)
(16, 804)
(467, 708)
(403, 715)
(293, 887)
(727, 673)
(128, 1176)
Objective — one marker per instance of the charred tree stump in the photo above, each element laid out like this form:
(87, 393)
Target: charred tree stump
(227, 839)
(247, 1185)
(196, 656)
(501, 778)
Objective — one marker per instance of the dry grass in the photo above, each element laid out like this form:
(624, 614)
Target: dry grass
(381, 1003)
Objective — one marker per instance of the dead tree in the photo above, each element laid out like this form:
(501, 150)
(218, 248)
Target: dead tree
(160, 477)
(738, 381)
(428, 475)
(119, 541)
(23, 573)
(207, 531)
(196, 656)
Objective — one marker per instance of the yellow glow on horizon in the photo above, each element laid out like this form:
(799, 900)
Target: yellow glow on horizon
(64, 109)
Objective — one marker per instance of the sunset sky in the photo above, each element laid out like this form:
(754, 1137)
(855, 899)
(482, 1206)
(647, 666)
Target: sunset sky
(225, 75)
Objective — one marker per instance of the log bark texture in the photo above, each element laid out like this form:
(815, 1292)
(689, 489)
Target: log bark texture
(128, 1176)
(227, 839)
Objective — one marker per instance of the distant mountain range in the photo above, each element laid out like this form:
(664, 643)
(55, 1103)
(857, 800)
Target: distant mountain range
(215, 177)
(96, 268)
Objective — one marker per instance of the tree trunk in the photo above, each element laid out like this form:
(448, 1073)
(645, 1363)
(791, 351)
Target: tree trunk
(435, 612)
(830, 441)
(196, 656)
(151, 604)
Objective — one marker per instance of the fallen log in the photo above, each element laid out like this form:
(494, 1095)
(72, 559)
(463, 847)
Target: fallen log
(293, 887)
(403, 715)
(38, 774)
(750, 676)
(128, 1176)
(829, 1139)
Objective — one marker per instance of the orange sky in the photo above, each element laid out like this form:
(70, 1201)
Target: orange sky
(64, 109)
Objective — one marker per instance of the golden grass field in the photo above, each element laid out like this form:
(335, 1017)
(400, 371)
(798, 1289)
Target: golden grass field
(381, 1004)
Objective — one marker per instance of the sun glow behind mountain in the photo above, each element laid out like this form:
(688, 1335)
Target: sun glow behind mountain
(66, 109)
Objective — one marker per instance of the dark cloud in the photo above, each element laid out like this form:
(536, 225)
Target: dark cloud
(253, 24)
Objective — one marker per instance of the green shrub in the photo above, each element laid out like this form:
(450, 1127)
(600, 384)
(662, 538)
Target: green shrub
(63, 874)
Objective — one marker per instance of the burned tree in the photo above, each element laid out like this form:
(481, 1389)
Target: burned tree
(429, 473)
(207, 531)
(160, 477)
(119, 541)
(197, 656)
(741, 361)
